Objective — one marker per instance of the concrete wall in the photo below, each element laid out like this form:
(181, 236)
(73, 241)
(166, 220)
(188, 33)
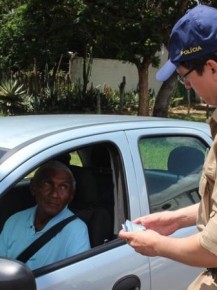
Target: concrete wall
(110, 72)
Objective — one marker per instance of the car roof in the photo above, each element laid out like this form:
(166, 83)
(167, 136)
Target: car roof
(23, 137)
(17, 130)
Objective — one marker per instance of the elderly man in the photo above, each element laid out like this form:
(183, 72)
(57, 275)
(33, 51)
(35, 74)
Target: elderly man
(53, 187)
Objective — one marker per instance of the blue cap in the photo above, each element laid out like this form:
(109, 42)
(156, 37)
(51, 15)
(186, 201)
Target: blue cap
(193, 36)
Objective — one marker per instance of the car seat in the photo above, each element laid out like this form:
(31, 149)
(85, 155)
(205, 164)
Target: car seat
(184, 160)
(17, 199)
(87, 206)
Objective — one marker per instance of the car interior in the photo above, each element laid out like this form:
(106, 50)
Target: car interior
(177, 186)
(182, 161)
(97, 177)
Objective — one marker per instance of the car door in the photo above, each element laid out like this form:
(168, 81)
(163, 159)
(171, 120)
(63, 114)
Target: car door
(112, 265)
(170, 181)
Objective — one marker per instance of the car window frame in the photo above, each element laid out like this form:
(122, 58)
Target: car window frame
(119, 140)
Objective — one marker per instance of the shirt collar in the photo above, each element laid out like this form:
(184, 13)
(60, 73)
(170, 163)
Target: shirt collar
(60, 216)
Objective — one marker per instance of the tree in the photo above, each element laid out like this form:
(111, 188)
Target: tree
(7, 6)
(38, 32)
(42, 32)
(37, 36)
(131, 31)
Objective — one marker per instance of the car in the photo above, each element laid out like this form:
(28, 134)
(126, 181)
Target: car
(125, 167)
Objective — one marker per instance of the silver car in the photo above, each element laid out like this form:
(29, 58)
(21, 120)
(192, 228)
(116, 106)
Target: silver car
(125, 167)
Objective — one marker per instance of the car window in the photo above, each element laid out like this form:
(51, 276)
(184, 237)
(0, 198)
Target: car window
(75, 159)
(97, 170)
(71, 158)
(172, 168)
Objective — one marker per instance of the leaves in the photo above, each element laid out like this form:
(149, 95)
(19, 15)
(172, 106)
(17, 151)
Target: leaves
(13, 98)
(11, 90)
(39, 32)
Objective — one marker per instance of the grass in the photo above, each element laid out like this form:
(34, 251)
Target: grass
(193, 114)
(182, 112)
(154, 152)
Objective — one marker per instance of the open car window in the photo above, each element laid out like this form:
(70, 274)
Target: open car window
(99, 199)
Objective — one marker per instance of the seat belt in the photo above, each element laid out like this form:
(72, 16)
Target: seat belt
(43, 239)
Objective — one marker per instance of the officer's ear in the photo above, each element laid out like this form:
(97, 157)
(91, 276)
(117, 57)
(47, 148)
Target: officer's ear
(211, 65)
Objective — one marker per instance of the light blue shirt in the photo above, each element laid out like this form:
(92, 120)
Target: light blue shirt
(19, 232)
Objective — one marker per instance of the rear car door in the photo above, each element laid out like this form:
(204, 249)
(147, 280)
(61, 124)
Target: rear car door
(168, 164)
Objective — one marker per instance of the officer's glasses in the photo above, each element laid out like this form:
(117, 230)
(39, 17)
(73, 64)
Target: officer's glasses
(181, 79)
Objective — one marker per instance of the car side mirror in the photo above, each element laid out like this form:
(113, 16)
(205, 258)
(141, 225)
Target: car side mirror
(15, 275)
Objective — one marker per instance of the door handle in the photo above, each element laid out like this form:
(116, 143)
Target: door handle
(129, 282)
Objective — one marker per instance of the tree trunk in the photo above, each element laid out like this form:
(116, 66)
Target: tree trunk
(87, 68)
(122, 93)
(164, 96)
(143, 90)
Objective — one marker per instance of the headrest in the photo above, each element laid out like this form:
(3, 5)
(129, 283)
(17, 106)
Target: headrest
(100, 157)
(86, 185)
(184, 160)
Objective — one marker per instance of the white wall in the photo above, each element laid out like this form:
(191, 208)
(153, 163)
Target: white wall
(110, 72)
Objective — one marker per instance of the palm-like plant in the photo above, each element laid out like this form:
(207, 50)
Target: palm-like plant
(11, 96)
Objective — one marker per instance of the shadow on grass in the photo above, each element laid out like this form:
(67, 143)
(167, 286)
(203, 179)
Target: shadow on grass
(189, 117)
